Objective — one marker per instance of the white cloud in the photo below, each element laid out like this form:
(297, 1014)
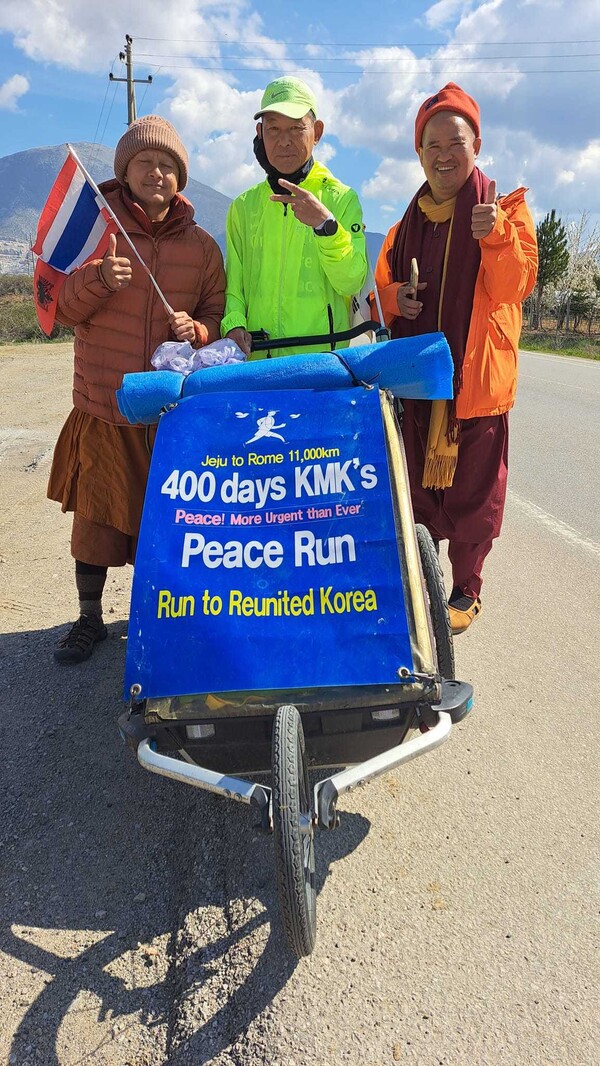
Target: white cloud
(94, 34)
(325, 151)
(394, 181)
(537, 128)
(444, 12)
(520, 159)
(210, 110)
(214, 117)
(588, 162)
(377, 111)
(11, 92)
(214, 120)
(258, 46)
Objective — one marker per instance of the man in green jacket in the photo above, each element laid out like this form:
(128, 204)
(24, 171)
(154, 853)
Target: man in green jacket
(296, 249)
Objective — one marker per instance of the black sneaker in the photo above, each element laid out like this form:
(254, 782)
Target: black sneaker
(79, 642)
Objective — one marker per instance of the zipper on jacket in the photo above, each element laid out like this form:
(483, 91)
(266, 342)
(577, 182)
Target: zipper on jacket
(282, 270)
(148, 325)
(331, 329)
(473, 331)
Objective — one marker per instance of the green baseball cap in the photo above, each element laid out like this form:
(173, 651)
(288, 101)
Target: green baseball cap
(289, 97)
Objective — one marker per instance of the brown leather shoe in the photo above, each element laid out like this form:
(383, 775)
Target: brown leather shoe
(461, 620)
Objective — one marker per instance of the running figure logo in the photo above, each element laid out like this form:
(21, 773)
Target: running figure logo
(266, 427)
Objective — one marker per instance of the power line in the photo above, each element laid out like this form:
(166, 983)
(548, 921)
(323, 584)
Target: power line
(278, 64)
(153, 75)
(221, 63)
(348, 59)
(97, 141)
(108, 114)
(94, 141)
(360, 44)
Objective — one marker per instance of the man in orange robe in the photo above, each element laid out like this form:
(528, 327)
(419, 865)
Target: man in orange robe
(477, 257)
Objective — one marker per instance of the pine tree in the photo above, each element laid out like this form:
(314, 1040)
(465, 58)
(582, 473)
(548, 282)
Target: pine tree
(553, 258)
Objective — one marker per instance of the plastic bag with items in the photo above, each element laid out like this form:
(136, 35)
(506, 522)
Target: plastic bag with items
(180, 356)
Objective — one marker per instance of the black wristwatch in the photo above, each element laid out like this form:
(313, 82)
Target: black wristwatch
(327, 228)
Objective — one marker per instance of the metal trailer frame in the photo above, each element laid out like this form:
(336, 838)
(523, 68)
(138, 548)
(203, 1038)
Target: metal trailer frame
(422, 699)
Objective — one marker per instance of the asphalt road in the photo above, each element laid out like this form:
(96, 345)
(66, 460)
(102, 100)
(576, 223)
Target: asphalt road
(458, 901)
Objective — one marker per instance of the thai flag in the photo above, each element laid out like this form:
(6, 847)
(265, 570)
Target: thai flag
(74, 227)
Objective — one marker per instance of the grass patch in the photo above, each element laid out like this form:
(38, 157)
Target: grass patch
(19, 324)
(587, 347)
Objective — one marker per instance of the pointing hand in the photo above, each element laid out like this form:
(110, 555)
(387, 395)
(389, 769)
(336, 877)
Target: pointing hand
(306, 207)
(115, 270)
(483, 216)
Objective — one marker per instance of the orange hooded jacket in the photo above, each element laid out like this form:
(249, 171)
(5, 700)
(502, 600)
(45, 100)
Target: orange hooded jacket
(507, 275)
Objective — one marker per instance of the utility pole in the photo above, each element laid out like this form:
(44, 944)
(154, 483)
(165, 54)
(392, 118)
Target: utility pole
(127, 58)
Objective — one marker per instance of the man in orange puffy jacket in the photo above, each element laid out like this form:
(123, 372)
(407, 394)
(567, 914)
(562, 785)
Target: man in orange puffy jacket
(477, 260)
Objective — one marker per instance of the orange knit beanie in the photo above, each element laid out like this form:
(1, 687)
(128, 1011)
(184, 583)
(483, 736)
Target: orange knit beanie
(450, 98)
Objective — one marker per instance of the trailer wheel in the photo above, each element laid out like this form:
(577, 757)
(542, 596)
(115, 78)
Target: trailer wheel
(293, 832)
(438, 604)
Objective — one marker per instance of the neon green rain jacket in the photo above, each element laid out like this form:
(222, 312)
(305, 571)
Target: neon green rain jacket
(283, 278)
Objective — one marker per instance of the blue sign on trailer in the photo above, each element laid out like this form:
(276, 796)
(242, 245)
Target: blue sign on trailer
(267, 556)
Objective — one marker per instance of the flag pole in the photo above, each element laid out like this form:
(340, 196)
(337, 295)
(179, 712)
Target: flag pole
(378, 302)
(107, 206)
(375, 289)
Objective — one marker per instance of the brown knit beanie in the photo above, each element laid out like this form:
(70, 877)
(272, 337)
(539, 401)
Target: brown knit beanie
(155, 132)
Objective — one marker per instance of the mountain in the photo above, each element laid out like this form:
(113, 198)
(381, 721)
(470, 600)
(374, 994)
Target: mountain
(26, 179)
(374, 242)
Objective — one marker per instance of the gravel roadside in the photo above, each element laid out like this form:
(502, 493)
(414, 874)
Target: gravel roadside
(458, 900)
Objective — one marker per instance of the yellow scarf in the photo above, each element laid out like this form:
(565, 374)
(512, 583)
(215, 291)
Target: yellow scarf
(441, 457)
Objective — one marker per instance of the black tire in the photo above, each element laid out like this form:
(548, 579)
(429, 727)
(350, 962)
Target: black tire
(293, 832)
(438, 604)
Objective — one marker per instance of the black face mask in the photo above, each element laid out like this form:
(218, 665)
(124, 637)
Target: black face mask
(274, 175)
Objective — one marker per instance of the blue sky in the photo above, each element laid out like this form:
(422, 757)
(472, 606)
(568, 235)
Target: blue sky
(538, 92)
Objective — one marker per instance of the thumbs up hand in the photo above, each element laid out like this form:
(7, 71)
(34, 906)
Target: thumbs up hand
(483, 216)
(115, 270)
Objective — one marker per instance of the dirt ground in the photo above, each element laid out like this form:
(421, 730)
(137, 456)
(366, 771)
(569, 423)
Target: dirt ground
(457, 900)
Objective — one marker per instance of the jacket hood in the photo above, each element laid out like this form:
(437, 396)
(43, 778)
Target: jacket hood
(181, 210)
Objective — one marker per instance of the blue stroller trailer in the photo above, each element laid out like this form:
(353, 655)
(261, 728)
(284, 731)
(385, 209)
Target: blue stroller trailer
(287, 615)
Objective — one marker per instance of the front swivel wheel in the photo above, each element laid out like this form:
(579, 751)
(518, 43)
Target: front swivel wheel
(293, 832)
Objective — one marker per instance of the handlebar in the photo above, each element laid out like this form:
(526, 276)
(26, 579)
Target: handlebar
(261, 342)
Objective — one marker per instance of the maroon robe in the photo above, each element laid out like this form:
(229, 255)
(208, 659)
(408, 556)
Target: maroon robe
(469, 513)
